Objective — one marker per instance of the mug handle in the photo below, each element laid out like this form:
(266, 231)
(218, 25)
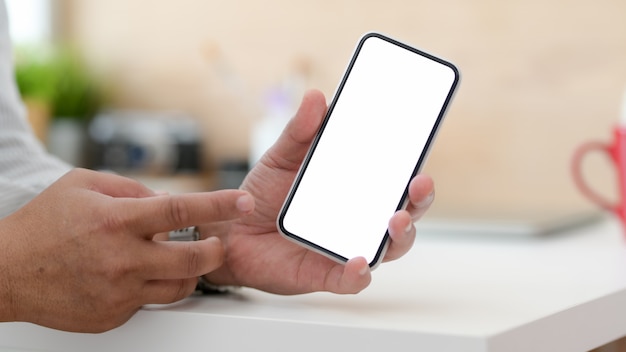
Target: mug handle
(579, 179)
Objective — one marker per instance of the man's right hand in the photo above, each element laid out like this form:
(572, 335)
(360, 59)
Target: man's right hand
(81, 255)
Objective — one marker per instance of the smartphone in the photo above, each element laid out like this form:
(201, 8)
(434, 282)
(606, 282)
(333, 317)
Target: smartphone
(373, 140)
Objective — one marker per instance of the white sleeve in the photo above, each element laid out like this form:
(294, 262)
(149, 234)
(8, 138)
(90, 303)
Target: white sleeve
(25, 166)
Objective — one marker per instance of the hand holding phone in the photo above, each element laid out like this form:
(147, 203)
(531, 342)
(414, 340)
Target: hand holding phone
(374, 139)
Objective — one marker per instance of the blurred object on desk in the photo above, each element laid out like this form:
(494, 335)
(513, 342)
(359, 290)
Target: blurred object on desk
(281, 102)
(157, 143)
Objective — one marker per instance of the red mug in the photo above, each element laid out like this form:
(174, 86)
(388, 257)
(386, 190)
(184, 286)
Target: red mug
(616, 151)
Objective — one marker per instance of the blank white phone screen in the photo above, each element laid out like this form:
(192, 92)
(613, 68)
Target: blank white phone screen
(367, 152)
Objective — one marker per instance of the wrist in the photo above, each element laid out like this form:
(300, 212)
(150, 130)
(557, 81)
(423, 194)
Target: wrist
(7, 304)
(7, 313)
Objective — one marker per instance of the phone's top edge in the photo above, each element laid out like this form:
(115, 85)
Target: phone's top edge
(379, 35)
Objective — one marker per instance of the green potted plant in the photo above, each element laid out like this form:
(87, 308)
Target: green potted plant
(36, 79)
(76, 94)
(59, 81)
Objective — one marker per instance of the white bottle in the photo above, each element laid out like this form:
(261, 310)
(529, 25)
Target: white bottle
(278, 110)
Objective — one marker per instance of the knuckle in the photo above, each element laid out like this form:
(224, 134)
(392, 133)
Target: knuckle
(116, 267)
(177, 210)
(79, 172)
(112, 223)
(192, 256)
(180, 291)
(223, 204)
(116, 271)
(184, 288)
(198, 260)
(112, 220)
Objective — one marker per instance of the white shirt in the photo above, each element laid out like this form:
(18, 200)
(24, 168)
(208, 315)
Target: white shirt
(25, 166)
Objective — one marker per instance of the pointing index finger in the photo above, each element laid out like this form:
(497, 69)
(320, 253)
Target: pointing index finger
(148, 216)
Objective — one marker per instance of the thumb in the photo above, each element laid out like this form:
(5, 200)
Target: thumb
(294, 142)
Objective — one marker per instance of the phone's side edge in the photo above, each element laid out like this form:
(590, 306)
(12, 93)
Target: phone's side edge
(378, 258)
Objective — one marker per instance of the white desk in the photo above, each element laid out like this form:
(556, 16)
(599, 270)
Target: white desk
(561, 293)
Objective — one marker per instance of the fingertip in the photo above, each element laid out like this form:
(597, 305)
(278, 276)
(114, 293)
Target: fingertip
(402, 232)
(309, 116)
(315, 95)
(214, 241)
(364, 270)
(400, 224)
(421, 189)
(217, 249)
(424, 178)
(358, 268)
(245, 203)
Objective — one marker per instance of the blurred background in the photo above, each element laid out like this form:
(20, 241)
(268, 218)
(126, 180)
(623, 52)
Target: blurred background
(200, 88)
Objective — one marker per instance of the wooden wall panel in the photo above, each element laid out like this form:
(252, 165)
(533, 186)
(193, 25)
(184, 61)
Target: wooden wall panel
(539, 77)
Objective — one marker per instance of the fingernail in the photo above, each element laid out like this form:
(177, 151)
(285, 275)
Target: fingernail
(161, 193)
(426, 201)
(213, 239)
(364, 270)
(245, 203)
(409, 227)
